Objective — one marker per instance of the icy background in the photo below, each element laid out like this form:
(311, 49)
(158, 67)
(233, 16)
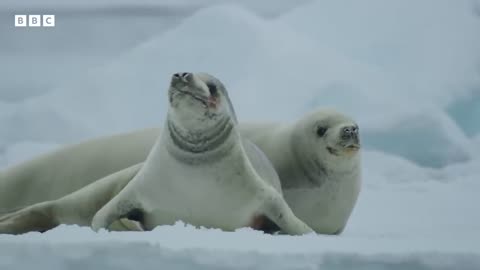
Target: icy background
(407, 71)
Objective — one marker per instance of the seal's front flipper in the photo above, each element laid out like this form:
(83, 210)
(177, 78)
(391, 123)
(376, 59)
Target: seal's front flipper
(114, 213)
(278, 211)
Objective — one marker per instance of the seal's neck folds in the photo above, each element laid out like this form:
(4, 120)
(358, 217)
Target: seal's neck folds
(194, 146)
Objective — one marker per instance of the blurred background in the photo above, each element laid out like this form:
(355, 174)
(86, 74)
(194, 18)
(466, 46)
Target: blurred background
(407, 71)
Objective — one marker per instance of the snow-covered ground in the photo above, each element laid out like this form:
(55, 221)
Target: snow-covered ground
(407, 71)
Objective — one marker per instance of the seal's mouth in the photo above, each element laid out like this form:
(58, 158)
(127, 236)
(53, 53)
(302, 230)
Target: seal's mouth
(349, 149)
(353, 147)
(207, 102)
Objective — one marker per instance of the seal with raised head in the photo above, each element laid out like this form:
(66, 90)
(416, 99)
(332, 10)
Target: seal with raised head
(200, 170)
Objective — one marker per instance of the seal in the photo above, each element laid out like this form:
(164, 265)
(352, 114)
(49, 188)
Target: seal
(200, 170)
(318, 160)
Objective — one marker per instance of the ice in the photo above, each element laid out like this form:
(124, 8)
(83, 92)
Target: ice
(430, 138)
(127, 256)
(407, 72)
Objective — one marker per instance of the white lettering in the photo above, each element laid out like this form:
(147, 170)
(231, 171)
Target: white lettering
(48, 20)
(34, 21)
(20, 20)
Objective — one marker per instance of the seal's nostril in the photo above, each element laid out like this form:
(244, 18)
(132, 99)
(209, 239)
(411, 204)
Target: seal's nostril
(182, 76)
(349, 132)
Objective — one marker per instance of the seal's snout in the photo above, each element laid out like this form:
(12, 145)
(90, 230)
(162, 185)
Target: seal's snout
(350, 132)
(189, 87)
(181, 78)
(350, 137)
(182, 75)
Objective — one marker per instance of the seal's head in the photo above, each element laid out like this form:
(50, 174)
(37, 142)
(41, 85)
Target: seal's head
(201, 117)
(331, 134)
(198, 100)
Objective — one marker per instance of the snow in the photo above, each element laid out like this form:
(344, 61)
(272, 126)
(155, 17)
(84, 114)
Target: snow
(407, 72)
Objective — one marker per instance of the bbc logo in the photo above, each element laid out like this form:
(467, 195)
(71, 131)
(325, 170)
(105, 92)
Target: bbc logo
(35, 20)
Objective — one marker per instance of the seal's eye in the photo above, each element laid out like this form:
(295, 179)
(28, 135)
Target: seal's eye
(212, 88)
(321, 131)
